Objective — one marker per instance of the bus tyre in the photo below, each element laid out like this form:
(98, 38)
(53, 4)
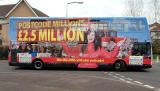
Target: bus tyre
(38, 64)
(120, 66)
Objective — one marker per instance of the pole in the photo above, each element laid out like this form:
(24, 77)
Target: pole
(157, 59)
(67, 10)
(71, 3)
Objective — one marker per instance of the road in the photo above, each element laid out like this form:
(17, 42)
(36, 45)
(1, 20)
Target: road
(71, 79)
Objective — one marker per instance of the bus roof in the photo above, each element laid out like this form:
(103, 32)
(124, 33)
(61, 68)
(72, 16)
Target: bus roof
(77, 17)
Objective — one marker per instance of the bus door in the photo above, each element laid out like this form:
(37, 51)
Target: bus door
(13, 52)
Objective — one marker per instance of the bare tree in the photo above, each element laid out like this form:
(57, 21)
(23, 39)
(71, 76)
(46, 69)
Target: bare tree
(155, 11)
(134, 8)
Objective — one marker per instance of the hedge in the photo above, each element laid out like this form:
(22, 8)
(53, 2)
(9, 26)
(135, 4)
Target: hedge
(3, 52)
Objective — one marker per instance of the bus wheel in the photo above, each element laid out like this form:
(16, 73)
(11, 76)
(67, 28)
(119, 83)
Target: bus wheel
(120, 66)
(38, 64)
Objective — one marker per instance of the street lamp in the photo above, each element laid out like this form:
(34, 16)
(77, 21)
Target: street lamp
(71, 3)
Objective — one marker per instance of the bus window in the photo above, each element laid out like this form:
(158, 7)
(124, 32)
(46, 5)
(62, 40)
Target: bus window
(141, 49)
(137, 25)
(133, 27)
(125, 27)
(116, 26)
(141, 25)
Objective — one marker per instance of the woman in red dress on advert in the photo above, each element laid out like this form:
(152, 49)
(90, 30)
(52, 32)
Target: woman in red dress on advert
(90, 48)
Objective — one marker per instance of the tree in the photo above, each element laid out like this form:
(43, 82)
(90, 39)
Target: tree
(134, 8)
(155, 13)
(156, 46)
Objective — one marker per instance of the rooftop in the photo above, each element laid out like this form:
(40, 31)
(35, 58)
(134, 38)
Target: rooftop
(5, 9)
(154, 27)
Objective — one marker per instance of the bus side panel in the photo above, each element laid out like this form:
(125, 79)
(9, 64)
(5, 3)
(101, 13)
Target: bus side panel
(83, 41)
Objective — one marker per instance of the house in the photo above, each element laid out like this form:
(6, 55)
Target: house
(155, 31)
(21, 9)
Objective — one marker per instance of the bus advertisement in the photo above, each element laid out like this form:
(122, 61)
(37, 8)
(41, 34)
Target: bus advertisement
(117, 42)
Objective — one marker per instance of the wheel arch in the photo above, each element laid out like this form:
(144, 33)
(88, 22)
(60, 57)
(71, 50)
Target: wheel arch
(37, 59)
(119, 61)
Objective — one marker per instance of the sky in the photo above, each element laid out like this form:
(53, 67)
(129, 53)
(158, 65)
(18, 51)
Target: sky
(89, 8)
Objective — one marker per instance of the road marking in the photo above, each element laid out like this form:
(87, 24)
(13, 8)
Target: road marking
(148, 86)
(121, 79)
(102, 78)
(129, 79)
(110, 74)
(116, 76)
(129, 82)
(138, 82)
(105, 72)
(122, 76)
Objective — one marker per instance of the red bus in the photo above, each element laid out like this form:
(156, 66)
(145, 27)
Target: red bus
(115, 42)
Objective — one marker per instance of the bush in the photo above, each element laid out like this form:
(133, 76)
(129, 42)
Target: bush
(156, 46)
(3, 52)
(155, 56)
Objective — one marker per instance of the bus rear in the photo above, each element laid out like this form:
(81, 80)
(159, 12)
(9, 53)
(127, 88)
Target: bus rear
(119, 43)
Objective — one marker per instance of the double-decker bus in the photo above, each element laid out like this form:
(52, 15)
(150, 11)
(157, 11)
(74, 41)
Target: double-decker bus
(117, 42)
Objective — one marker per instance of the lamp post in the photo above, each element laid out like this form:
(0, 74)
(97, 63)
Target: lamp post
(71, 3)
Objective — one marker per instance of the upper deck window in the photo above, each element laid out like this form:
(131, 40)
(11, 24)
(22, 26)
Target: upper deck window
(127, 24)
(137, 25)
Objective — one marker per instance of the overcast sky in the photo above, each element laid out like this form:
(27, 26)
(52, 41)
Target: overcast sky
(89, 8)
